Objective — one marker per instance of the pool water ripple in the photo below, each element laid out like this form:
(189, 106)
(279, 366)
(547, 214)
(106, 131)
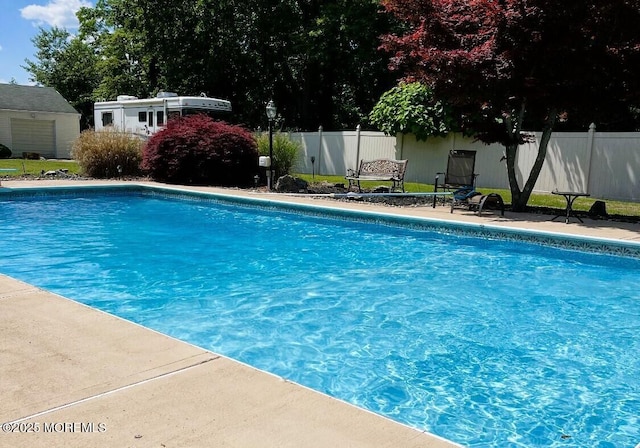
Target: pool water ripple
(485, 342)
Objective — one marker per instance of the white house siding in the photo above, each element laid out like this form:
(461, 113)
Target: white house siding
(5, 129)
(67, 131)
(65, 128)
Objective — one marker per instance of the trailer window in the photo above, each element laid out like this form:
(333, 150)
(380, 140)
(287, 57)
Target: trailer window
(217, 114)
(190, 111)
(160, 118)
(107, 119)
(142, 117)
(151, 118)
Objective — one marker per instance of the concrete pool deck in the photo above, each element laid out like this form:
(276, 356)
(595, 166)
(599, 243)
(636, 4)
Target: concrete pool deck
(74, 376)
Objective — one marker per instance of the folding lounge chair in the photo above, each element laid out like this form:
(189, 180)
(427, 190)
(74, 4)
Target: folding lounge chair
(461, 196)
(460, 172)
(460, 178)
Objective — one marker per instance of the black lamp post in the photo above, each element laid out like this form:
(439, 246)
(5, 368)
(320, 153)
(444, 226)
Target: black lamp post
(271, 115)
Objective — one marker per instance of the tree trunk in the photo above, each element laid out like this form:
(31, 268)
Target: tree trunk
(511, 152)
(519, 198)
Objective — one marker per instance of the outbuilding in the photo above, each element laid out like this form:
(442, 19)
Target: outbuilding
(37, 120)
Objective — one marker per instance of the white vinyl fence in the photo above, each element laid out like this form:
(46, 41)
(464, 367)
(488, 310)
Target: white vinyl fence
(604, 164)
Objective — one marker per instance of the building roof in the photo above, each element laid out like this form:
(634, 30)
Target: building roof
(33, 99)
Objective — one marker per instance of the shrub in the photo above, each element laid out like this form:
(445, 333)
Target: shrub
(285, 152)
(99, 154)
(199, 150)
(411, 108)
(5, 152)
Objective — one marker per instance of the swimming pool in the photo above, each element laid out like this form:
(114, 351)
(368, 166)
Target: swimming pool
(486, 342)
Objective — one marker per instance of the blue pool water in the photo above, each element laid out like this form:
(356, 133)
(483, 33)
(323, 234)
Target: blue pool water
(488, 343)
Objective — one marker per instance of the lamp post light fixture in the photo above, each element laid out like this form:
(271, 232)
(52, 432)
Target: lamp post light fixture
(271, 115)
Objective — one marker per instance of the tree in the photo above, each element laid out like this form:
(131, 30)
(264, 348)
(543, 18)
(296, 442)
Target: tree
(318, 60)
(122, 65)
(340, 72)
(506, 64)
(68, 65)
(410, 108)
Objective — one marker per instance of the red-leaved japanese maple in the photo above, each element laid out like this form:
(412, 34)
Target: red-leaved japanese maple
(199, 150)
(505, 64)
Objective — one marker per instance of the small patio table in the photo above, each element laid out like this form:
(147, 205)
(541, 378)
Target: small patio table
(570, 196)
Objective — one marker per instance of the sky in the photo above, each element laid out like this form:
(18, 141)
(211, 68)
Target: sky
(20, 21)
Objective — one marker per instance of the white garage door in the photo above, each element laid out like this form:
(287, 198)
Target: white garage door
(33, 136)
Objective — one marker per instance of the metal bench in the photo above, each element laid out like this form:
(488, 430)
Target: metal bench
(379, 170)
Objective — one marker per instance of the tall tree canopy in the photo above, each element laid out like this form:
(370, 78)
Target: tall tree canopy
(318, 60)
(506, 64)
(68, 65)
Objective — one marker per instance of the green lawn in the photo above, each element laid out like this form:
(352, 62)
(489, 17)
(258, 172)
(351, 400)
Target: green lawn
(536, 200)
(35, 167)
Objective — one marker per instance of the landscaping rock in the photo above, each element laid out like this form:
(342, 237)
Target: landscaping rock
(291, 184)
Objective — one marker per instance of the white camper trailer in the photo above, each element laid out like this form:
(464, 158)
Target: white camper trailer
(145, 117)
